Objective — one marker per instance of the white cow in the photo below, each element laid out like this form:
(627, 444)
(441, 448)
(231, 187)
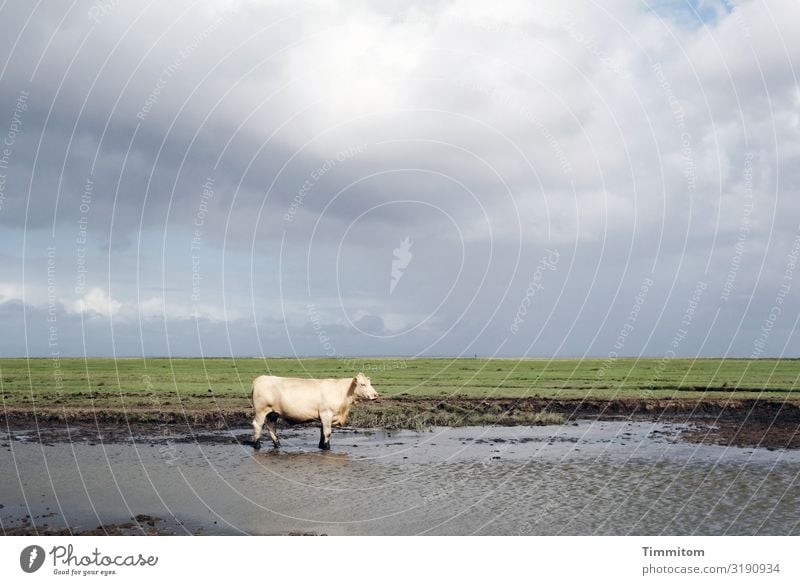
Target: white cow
(302, 400)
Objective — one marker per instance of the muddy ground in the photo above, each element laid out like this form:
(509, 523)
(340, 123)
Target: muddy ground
(742, 423)
(141, 525)
(755, 424)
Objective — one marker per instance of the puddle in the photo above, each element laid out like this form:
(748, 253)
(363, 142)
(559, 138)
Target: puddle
(590, 477)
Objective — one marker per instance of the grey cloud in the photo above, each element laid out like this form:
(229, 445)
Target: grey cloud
(514, 130)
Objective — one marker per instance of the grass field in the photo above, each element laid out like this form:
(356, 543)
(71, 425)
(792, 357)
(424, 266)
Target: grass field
(162, 382)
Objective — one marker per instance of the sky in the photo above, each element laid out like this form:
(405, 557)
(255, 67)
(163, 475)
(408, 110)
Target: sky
(431, 178)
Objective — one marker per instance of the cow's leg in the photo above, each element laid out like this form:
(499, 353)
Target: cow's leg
(272, 427)
(258, 422)
(325, 433)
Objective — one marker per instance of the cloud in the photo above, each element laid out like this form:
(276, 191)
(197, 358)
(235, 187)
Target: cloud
(97, 302)
(485, 134)
(9, 292)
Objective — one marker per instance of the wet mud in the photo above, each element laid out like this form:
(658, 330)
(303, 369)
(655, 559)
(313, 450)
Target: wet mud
(583, 477)
(742, 423)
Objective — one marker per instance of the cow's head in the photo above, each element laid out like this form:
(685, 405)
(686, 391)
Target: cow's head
(362, 387)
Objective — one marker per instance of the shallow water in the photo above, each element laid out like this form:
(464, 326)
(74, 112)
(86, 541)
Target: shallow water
(585, 478)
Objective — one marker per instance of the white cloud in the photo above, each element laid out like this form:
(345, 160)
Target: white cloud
(97, 302)
(152, 308)
(10, 292)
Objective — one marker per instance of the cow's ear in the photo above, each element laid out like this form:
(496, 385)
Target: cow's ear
(353, 385)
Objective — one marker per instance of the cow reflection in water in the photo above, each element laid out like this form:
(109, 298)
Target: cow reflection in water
(300, 400)
(303, 459)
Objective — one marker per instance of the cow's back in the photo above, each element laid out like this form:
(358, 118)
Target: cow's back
(265, 390)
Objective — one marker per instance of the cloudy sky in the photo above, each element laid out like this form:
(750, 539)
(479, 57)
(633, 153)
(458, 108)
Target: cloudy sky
(400, 178)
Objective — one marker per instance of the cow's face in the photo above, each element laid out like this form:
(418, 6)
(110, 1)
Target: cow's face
(364, 388)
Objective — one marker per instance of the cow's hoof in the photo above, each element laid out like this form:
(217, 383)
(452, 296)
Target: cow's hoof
(276, 444)
(257, 445)
(325, 447)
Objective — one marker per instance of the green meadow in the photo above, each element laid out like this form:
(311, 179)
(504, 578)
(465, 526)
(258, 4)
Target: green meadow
(162, 382)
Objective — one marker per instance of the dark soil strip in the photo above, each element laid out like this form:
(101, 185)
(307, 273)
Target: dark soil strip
(743, 423)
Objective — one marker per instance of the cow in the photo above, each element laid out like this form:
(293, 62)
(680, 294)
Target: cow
(302, 400)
